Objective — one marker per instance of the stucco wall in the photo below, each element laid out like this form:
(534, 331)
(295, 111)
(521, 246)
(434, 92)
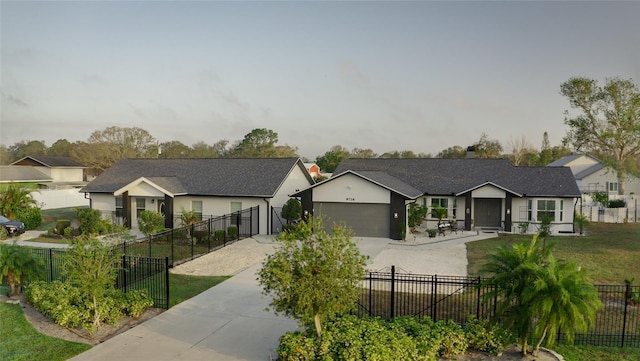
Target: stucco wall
(351, 189)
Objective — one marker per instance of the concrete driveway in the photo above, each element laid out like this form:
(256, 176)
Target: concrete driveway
(229, 321)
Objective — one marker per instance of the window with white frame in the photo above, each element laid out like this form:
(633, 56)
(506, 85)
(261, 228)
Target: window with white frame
(530, 210)
(613, 187)
(196, 208)
(546, 208)
(561, 213)
(440, 203)
(140, 206)
(119, 207)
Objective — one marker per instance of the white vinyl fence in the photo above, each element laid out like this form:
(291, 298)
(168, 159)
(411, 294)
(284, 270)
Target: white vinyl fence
(596, 213)
(59, 198)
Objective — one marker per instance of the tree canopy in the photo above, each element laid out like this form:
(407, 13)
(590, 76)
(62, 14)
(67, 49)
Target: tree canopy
(607, 123)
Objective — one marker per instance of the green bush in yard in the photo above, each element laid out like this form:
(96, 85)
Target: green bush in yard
(30, 216)
(61, 224)
(219, 235)
(453, 339)
(135, 303)
(232, 231)
(486, 336)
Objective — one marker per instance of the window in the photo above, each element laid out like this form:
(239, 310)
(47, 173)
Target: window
(440, 203)
(529, 210)
(561, 211)
(235, 207)
(119, 208)
(546, 208)
(613, 187)
(196, 207)
(140, 206)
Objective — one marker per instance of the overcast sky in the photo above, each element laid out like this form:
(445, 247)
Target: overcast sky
(420, 76)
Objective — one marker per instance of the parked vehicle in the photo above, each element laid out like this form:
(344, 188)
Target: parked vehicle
(14, 228)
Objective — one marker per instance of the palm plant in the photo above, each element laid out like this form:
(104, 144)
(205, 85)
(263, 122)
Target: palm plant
(187, 220)
(14, 198)
(513, 272)
(17, 263)
(562, 297)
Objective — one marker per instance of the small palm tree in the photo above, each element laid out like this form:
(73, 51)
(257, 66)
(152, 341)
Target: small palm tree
(17, 263)
(14, 198)
(513, 272)
(562, 297)
(187, 219)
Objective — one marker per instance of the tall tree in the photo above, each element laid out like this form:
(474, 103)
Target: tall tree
(546, 156)
(5, 155)
(363, 153)
(174, 149)
(521, 151)
(61, 147)
(330, 160)
(105, 147)
(452, 152)
(259, 143)
(25, 148)
(488, 148)
(607, 123)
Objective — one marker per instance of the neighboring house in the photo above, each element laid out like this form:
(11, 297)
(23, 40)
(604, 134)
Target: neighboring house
(372, 196)
(55, 180)
(60, 172)
(313, 169)
(210, 187)
(593, 176)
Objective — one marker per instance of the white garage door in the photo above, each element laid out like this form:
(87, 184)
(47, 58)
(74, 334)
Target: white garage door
(366, 220)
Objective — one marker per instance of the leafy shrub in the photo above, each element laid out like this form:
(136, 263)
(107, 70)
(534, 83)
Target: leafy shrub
(91, 221)
(232, 231)
(617, 203)
(61, 224)
(30, 216)
(424, 334)
(545, 226)
(3, 234)
(486, 336)
(201, 236)
(219, 235)
(69, 307)
(68, 231)
(135, 303)
(453, 339)
(297, 346)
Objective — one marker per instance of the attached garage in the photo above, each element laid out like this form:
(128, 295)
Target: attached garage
(365, 219)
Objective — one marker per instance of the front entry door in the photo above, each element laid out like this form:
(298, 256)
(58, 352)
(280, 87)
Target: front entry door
(487, 212)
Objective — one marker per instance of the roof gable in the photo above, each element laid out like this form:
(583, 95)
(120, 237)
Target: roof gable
(48, 161)
(13, 173)
(258, 177)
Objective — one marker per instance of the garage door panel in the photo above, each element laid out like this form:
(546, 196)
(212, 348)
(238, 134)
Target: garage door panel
(366, 220)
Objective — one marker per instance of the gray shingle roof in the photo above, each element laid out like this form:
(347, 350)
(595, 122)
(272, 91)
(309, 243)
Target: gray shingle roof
(14, 173)
(256, 177)
(438, 176)
(53, 161)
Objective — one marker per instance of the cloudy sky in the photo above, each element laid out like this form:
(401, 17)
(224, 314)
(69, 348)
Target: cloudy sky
(419, 76)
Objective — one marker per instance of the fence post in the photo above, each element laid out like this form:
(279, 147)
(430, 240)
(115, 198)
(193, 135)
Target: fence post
(627, 298)
(434, 294)
(50, 265)
(479, 295)
(166, 280)
(124, 272)
(393, 291)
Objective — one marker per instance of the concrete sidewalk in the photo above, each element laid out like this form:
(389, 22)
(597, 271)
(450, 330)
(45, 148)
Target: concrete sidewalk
(226, 322)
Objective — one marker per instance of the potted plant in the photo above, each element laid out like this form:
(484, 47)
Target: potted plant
(432, 232)
(17, 263)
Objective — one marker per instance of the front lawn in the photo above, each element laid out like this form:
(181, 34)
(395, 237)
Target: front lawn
(19, 340)
(610, 252)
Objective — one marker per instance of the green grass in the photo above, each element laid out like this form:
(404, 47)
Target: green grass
(610, 252)
(183, 287)
(581, 353)
(19, 340)
(51, 216)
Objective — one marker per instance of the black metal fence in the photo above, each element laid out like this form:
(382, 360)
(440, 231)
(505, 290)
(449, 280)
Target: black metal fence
(186, 243)
(134, 273)
(391, 294)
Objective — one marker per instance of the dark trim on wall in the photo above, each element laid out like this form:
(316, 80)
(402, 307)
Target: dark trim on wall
(508, 212)
(467, 211)
(398, 208)
(126, 209)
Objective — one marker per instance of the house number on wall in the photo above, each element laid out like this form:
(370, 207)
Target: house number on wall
(349, 199)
